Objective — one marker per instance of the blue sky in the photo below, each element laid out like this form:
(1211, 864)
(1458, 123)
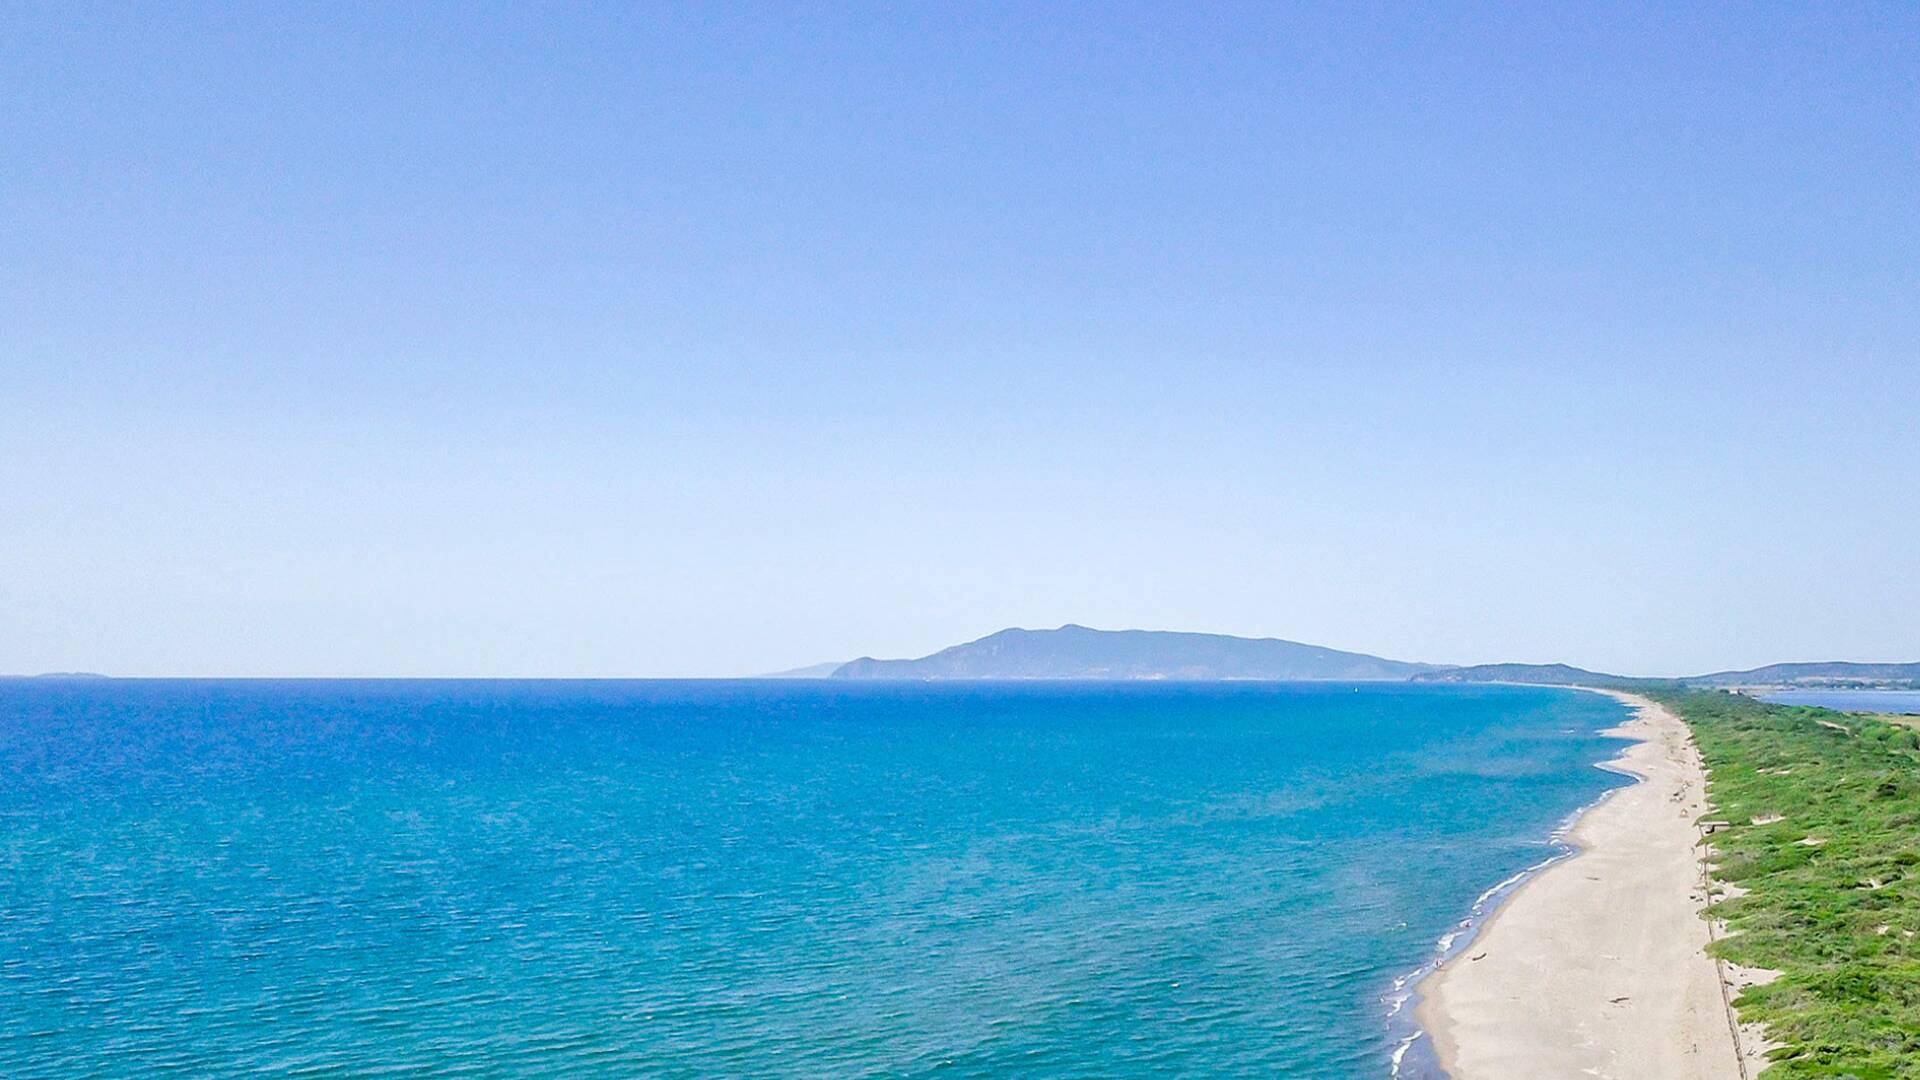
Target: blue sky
(699, 340)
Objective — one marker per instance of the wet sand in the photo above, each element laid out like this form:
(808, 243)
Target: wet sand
(1597, 967)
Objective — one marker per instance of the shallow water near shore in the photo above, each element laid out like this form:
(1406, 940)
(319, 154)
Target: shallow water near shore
(754, 878)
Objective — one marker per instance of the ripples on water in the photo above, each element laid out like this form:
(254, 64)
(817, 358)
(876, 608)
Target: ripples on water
(750, 878)
(1875, 701)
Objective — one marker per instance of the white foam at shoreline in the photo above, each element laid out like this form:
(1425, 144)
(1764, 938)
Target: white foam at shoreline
(1456, 939)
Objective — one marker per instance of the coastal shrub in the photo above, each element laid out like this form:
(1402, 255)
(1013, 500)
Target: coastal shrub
(1829, 895)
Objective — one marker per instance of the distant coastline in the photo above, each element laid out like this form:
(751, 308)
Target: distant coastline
(1890, 702)
(1073, 651)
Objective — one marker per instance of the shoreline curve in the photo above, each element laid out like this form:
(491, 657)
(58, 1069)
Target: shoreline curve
(1596, 965)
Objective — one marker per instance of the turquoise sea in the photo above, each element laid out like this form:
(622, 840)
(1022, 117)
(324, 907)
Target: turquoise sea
(755, 878)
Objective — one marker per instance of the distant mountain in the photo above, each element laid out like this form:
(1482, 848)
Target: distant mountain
(1548, 674)
(1076, 652)
(811, 671)
(1834, 672)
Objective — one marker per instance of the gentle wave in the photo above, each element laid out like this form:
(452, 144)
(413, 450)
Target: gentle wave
(719, 879)
(1413, 1057)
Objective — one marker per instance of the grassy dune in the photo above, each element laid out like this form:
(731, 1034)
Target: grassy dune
(1832, 895)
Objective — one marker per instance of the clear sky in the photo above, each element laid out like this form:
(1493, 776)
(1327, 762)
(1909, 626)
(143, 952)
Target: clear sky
(702, 340)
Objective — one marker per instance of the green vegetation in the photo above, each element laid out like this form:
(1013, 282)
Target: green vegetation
(1832, 895)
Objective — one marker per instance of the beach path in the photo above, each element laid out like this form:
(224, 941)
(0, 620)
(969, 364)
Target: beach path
(1597, 967)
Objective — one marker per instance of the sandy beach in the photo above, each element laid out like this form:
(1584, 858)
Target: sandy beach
(1597, 967)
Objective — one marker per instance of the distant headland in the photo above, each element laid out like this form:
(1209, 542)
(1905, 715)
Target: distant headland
(1080, 652)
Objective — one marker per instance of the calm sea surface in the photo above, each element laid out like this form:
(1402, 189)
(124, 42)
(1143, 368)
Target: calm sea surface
(717, 879)
(1876, 701)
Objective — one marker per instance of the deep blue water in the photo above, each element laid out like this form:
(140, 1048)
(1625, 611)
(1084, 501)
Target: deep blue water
(1876, 701)
(751, 878)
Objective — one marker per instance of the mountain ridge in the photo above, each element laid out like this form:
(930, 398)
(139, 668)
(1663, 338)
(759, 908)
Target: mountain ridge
(1815, 672)
(1536, 674)
(1073, 651)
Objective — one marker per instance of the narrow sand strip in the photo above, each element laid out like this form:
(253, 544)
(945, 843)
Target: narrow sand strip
(1596, 967)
